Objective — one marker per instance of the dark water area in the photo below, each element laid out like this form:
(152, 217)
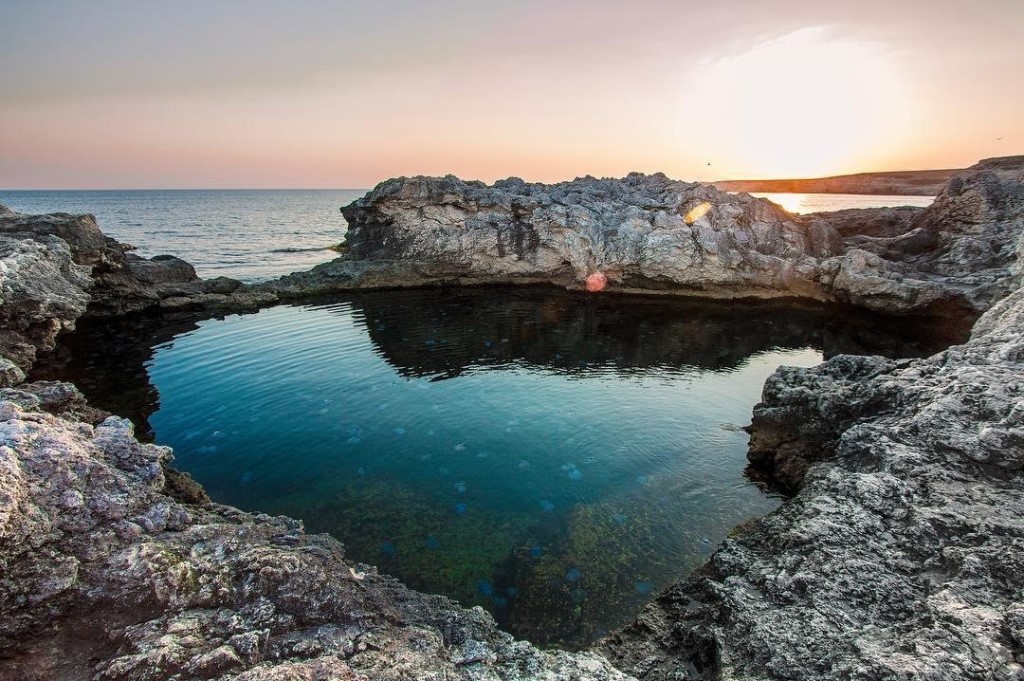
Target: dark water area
(555, 458)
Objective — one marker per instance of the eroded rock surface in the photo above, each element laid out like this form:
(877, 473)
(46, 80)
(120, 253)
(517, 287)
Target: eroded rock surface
(959, 252)
(644, 233)
(56, 268)
(647, 233)
(901, 554)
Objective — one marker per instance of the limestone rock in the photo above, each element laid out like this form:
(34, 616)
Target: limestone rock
(643, 233)
(56, 268)
(964, 250)
(42, 292)
(650, 234)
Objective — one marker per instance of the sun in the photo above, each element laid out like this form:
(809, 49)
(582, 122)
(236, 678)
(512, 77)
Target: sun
(802, 105)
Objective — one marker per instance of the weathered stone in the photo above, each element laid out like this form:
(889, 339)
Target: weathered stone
(56, 268)
(900, 555)
(650, 234)
(42, 292)
(963, 250)
(643, 233)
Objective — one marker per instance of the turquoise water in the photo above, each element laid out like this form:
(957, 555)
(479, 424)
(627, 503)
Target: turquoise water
(555, 458)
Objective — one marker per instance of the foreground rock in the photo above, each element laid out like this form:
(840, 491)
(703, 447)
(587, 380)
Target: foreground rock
(107, 576)
(650, 234)
(55, 268)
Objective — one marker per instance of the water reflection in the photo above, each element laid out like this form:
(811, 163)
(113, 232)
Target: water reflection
(443, 335)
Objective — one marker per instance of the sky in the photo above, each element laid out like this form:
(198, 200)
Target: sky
(344, 94)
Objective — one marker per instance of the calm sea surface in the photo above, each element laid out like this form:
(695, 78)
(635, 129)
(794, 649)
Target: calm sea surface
(255, 235)
(816, 203)
(250, 235)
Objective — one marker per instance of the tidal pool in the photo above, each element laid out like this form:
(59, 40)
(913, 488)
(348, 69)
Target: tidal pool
(554, 458)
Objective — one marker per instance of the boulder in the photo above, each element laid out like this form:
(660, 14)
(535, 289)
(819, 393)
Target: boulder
(42, 292)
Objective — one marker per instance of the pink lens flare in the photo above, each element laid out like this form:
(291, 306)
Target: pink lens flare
(596, 282)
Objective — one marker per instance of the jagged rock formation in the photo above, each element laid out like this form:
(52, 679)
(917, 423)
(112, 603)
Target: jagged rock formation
(105, 575)
(644, 233)
(960, 251)
(42, 291)
(650, 234)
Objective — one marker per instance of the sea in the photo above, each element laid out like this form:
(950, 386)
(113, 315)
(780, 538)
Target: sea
(255, 235)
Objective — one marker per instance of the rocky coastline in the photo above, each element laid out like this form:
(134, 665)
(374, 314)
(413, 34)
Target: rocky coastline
(899, 555)
(651, 235)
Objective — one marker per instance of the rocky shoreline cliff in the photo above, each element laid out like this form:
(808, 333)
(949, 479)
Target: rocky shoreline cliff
(899, 555)
(652, 235)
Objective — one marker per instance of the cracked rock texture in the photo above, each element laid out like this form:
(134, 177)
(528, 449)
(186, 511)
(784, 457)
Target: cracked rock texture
(104, 575)
(650, 234)
(644, 232)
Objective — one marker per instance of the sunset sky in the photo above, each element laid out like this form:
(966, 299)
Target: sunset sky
(308, 93)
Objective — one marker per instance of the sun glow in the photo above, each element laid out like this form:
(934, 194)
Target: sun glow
(799, 106)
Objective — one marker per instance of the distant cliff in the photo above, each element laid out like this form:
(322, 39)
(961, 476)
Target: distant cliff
(905, 182)
(893, 183)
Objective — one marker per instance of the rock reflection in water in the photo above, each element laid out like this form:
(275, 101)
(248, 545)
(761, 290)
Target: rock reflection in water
(443, 334)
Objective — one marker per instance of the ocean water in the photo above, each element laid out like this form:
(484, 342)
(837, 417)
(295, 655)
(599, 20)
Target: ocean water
(555, 458)
(816, 203)
(251, 235)
(254, 235)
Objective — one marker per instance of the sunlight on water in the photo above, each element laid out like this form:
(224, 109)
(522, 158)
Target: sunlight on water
(817, 203)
